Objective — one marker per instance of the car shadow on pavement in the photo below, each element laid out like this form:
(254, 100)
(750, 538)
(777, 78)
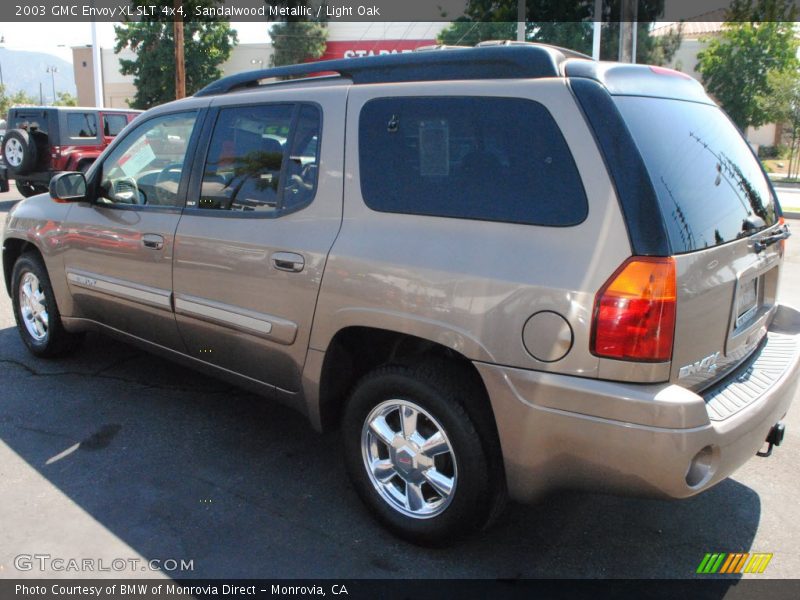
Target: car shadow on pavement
(179, 465)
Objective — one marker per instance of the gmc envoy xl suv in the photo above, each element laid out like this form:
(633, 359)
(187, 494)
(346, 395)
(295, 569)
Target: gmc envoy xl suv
(498, 270)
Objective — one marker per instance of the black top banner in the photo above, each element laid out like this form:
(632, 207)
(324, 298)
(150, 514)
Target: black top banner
(399, 11)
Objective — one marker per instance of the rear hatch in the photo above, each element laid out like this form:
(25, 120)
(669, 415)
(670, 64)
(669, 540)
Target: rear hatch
(723, 224)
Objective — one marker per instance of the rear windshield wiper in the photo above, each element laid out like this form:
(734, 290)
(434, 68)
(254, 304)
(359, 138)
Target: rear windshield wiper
(765, 242)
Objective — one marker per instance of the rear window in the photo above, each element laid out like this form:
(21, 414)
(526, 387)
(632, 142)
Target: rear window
(494, 159)
(709, 184)
(30, 121)
(82, 125)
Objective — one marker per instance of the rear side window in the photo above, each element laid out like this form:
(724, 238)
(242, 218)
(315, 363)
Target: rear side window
(262, 158)
(82, 125)
(709, 184)
(493, 159)
(113, 124)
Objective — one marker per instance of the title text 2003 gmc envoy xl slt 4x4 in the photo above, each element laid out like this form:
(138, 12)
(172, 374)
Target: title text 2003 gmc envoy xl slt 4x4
(498, 270)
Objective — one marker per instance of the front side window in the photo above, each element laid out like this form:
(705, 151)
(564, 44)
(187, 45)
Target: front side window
(82, 125)
(486, 158)
(145, 169)
(262, 158)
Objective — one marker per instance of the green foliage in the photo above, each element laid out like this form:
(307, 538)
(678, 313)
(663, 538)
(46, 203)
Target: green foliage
(298, 38)
(782, 103)
(18, 98)
(65, 99)
(463, 32)
(207, 44)
(566, 24)
(736, 66)
(294, 42)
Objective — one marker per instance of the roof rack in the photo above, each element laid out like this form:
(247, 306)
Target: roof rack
(487, 61)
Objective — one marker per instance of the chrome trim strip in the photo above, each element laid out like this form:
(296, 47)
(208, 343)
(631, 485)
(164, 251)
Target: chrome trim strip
(224, 314)
(121, 288)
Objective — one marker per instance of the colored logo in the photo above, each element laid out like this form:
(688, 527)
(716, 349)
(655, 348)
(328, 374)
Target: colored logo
(722, 563)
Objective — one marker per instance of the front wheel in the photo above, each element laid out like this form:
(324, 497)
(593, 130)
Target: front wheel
(35, 310)
(416, 457)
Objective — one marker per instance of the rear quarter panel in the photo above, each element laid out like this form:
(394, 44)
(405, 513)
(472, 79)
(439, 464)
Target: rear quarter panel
(472, 285)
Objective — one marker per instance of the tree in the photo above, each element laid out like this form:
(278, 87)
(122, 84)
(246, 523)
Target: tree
(65, 99)
(207, 44)
(782, 104)
(566, 24)
(736, 66)
(18, 98)
(298, 38)
(294, 42)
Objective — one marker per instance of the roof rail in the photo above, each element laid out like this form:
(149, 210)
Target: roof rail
(565, 51)
(513, 61)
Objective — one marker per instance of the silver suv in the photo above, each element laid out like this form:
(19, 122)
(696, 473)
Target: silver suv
(498, 270)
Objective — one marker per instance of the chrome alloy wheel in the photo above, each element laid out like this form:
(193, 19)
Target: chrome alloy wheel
(14, 152)
(409, 459)
(32, 306)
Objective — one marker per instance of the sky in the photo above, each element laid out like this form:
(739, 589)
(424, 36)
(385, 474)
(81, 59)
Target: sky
(58, 38)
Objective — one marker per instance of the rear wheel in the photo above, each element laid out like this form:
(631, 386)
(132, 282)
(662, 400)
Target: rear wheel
(19, 152)
(415, 456)
(35, 310)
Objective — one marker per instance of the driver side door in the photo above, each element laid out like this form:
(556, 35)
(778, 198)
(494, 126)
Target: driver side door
(119, 246)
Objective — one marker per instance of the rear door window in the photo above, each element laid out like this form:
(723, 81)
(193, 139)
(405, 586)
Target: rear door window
(113, 124)
(493, 159)
(82, 125)
(262, 159)
(709, 184)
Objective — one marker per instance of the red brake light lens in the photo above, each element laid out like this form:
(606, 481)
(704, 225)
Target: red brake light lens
(634, 311)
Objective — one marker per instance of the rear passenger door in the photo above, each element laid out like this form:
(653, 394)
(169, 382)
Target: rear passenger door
(264, 207)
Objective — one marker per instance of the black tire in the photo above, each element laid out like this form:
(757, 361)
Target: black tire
(55, 340)
(4, 187)
(84, 165)
(19, 152)
(442, 391)
(27, 189)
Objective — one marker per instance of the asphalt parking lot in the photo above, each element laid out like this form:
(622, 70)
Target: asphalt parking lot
(115, 454)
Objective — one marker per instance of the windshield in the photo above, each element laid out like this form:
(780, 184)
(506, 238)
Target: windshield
(709, 184)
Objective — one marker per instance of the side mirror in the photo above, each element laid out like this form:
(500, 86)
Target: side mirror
(68, 187)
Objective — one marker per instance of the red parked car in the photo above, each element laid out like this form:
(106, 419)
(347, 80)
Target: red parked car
(43, 140)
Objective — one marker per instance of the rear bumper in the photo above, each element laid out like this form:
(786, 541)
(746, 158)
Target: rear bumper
(559, 431)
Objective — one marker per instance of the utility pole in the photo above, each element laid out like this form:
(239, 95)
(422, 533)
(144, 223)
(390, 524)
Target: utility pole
(52, 69)
(180, 66)
(627, 31)
(597, 28)
(521, 20)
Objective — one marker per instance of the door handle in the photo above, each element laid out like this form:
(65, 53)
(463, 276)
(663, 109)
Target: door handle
(288, 261)
(151, 240)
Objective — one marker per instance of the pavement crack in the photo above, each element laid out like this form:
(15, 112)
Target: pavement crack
(101, 375)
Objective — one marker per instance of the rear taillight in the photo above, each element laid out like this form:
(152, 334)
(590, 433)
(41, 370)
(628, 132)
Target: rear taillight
(634, 312)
